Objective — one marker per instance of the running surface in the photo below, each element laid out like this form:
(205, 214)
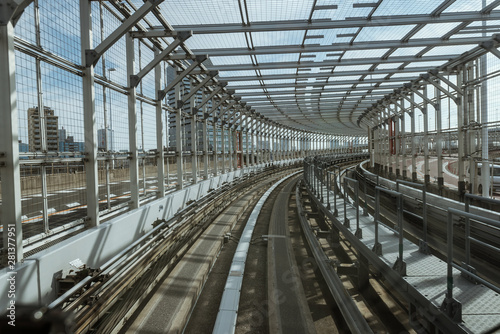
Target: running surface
(288, 308)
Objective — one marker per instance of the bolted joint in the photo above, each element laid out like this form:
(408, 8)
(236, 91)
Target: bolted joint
(7, 10)
(134, 80)
(91, 58)
(213, 74)
(184, 35)
(155, 2)
(161, 94)
(425, 76)
(201, 58)
(488, 45)
(179, 104)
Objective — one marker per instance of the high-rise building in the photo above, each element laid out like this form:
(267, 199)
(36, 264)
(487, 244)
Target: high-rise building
(51, 130)
(105, 139)
(186, 127)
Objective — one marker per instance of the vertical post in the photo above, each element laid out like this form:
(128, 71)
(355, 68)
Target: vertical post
(377, 247)
(132, 125)
(223, 141)
(205, 140)
(89, 117)
(160, 154)
(485, 171)
(179, 156)
(397, 149)
(403, 140)
(413, 138)
(400, 265)
(9, 148)
(194, 137)
(43, 125)
(461, 135)
(216, 133)
(425, 111)
(230, 146)
(347, 223)
(439, 140)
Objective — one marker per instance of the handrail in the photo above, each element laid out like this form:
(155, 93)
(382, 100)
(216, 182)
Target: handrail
(352, 316)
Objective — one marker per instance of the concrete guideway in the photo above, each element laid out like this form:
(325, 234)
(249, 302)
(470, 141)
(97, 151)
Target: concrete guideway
(228, 309)
(288, 308)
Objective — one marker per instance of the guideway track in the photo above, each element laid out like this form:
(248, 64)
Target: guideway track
(288, 308)
(104, 300)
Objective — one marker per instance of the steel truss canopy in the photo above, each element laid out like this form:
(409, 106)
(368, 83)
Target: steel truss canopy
(312, 65)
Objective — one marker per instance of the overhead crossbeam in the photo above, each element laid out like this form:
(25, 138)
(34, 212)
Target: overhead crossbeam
(314, 91)
(321, 84)
(374, 21)
(92, 56)
(366, 45)
(342, 62)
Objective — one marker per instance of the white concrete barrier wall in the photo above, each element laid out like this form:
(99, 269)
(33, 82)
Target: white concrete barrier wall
(36, 277)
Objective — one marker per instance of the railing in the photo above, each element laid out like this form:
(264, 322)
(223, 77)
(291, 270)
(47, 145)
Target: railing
(423, 246)
(450, 305)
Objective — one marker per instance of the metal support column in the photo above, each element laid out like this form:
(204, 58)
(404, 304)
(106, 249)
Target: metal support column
(9, 147)
(439, 139)
(179, 156)
(89, 118)
(194, 137)
(425, 112)
(413, 146)
(205, 141)
(160, 153)
(461, 134)
(132, 125)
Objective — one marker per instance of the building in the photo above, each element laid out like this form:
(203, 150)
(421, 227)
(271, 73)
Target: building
(105, 142)
(70, 145)
(23, 147)
(186, 124)
(51, 130)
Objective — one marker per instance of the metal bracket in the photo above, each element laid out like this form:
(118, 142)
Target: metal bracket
(8, 8)
(134, 80)
(161, 94)
(91, 57)
(359, 233)
(377, 249)
(400, 266)
(466, 275)
(452, 308)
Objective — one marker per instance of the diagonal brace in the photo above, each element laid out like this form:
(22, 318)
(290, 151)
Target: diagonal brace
(181, 37)
(193, 91)
(198, 60)
(92, 56)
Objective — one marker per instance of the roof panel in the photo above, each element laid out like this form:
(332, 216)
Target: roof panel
(201, 11)
(435, 30)
(383, 33)
(208, 41)
(278, 38)
(279, 10)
